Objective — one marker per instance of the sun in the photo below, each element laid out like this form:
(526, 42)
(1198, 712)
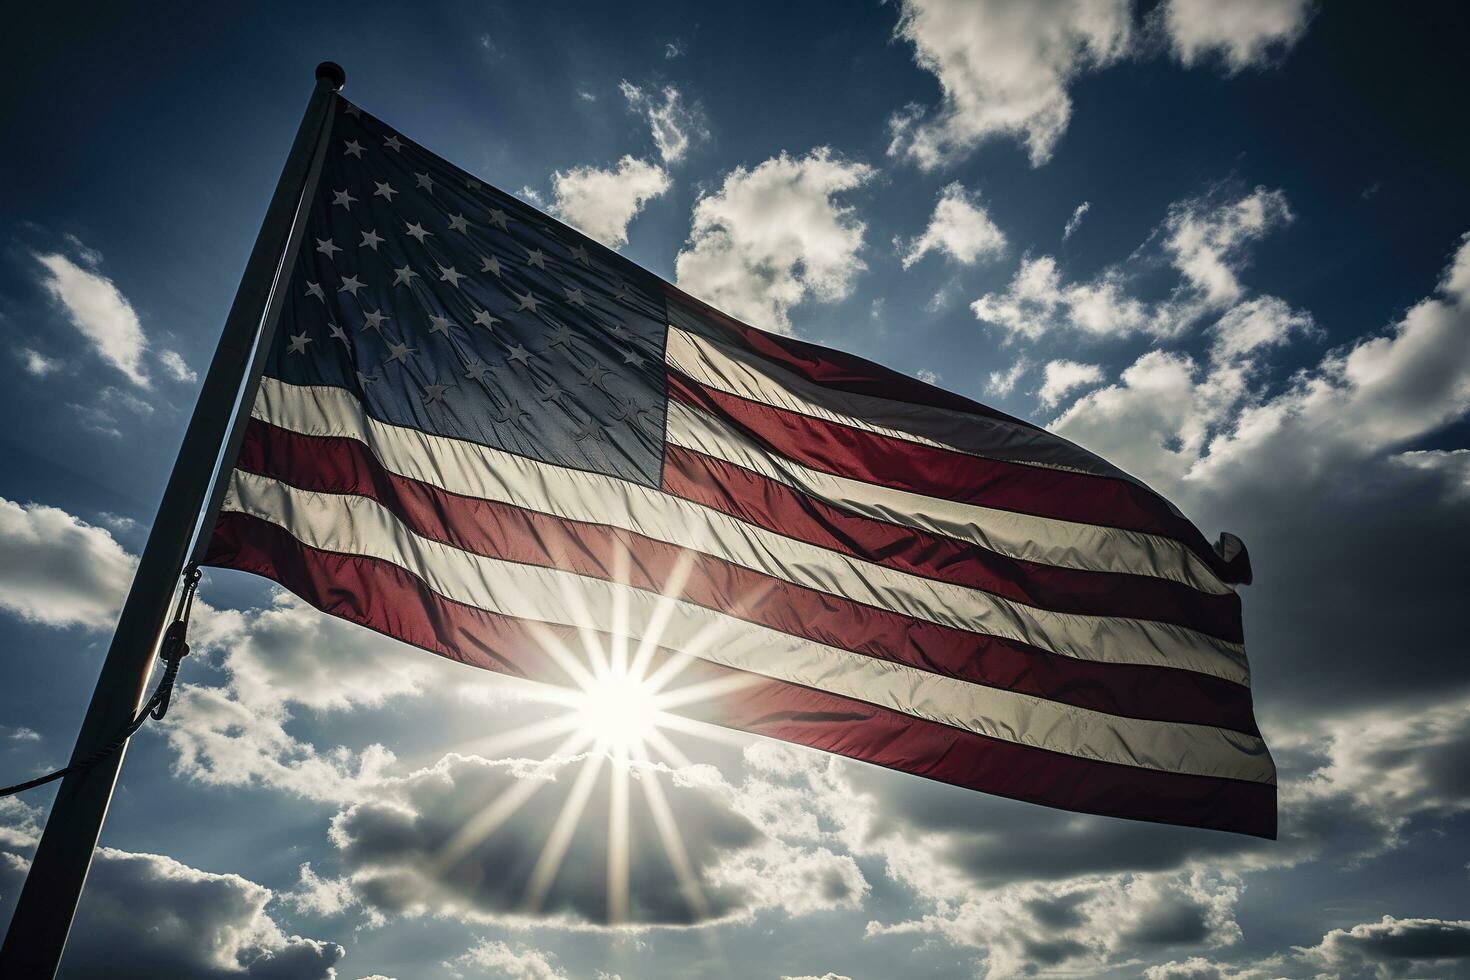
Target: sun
(617, 710)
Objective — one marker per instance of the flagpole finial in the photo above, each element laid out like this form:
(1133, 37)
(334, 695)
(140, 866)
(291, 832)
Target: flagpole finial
(332, 73)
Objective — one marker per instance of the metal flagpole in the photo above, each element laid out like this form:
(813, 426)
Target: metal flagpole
(48, 902)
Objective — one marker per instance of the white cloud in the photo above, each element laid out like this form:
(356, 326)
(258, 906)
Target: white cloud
(1393, 947)
(1004, 67)
(500, 960)
(1242, 33)
(774, 236)
(1064, 376)
(960, 228)
(1204, 238)
(1452, 465)
(176, 367)
(24, 735)
(927, 376)
(1266, 321)
(674, 124)
(1004, 382)
(1037, 302)
(102, 313)
(37, 363)
(1075, 222)
(602, 203)
(58, 570)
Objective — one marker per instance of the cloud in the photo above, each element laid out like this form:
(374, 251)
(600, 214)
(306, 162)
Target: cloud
(1062, 377)
(1075, 222)
(674, 124)
(1266, 321)
(175, 367)
(1204, 239)
(1004, 67)
(1451, 465)
(1004, 382)
(148, 915)
(1242, 34)
(499, 959)
(602, 203)
(1393, 947)
(960, 228)
(774, 236)
(99, 311)
(37, 363)
(58, 570)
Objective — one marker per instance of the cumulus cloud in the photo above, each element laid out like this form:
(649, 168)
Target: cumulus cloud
(1242, 34)
(1062, 377)
(774, 236)
(501, 960)
(1393, 947)
(960, 228)
(673, 123)
(58, 570)
(99, 311)
(1204, 239)
(148, 915)
(1266, 321)
(1004, 382)
(393, 846)
(602, 203)
(37, 363)
(1004, 67)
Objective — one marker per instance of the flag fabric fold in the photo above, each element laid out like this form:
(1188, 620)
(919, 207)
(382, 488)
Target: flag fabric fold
(478, 432)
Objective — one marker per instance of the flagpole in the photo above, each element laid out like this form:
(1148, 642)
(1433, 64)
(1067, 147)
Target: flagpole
(43, 915)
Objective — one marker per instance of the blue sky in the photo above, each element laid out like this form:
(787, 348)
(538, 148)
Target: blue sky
(1222, 244)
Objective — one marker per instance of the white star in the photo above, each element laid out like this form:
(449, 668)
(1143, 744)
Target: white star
(371, 239)
(560, 337)
(384, 190)
(416, 230)
(298, 343)
(351, 285)
(513, 414)
(528, 302)
(472, 183)
(363, 380)
(435, 393)
(475, 370)
(400, 352)
(500, 219)
(425, 181)
(492, 264)
(575, 297)
(633, 358)
(588, 430)
(550, 393)
(624, 294)
(327, 247)
(484, 319)
(536, 257)
(519, 353)
(439, 324)
(402, 276)
(374, 320)
(343, 198)
(458, 222)
(393, 143)
(338, 333)
(580, 254)
(353, 110)
(450, 276)
(354, 149)
(619, 331)
(315, 289)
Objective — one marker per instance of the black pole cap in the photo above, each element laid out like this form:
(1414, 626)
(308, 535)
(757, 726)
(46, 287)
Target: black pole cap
(331, 73)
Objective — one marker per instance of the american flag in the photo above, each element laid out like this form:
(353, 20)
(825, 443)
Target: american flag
(478, 430)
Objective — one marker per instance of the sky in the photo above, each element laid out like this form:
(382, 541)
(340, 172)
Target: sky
(1224, 244)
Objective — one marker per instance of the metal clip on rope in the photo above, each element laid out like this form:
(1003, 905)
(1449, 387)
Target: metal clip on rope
(171, 651)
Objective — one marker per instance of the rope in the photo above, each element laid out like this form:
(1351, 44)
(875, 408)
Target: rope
(172, 652)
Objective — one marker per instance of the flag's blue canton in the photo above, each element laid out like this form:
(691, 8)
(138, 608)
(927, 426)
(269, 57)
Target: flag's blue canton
(448, 306)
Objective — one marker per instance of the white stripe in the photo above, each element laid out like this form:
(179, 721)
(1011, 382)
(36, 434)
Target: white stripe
(473, 470)
(1046, 540)
(746, 375)
(360, 526)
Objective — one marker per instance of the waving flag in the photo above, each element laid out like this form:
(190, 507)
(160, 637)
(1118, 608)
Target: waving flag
(479, 431)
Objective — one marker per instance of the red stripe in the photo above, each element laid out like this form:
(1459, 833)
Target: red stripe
(388, 599)
(497, 530)
(775, 506)
(860, 454)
